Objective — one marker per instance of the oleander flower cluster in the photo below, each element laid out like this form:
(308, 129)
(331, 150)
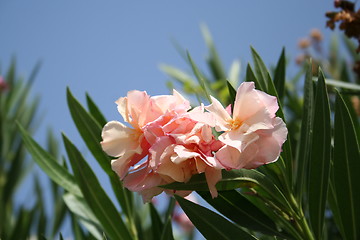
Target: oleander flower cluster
(165, 140)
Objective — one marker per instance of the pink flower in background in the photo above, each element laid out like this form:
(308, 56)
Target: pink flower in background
(3, 85)
(253, 135)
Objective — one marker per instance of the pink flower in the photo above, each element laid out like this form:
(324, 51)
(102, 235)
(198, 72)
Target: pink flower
(3, 85)
(253, 135)
(183, 146)
(177, 145)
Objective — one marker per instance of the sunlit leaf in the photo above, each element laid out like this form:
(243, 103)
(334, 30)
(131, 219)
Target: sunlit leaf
(200, 77)
(95, 196)
(49, 165)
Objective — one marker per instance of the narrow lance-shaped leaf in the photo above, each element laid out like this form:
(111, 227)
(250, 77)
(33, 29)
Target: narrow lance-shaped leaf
(167, 233)
(304, 148)
(240, 210)
(79, 207)
(90, 131)
(260, 70)
(213, 60)
(157, 225)
(346, 170)
(210, 224)
(232, 94)
(279, 77)
(319, 165)
(236, 179)
(95, 195)
(201, 79)
(49, 165)
(94, 111)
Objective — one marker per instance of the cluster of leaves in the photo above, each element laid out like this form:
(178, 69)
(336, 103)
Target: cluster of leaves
(19, 220)
(311, 191)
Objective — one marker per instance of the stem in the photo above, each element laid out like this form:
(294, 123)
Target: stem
(301, 223)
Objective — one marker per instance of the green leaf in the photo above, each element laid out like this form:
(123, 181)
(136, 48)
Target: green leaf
(213, 60)
(303, 152)
(250, 77)
(79, 207)
(346, 170)
(210, 224)
(95, 196)
(234, 72)
(94, 111)
(261, 71)
(167, 233)
(240, 210)
(22, 226)
(49, 165)
(279, 78)
(90, 131)
(344, 85)
(177, 74)
(319, 165)
(157, 225)
(235, 179)
(232, 94)
(199, 76)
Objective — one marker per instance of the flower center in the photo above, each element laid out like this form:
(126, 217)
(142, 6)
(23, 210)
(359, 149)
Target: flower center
(235, 124)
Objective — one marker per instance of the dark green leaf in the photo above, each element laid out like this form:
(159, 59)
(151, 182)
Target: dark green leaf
(157, 225)
(319, 165)
(279, 78)
(346, 170)
(261, 71)
(94, 111)
(235, 179)
(240, 210)
(303, 152)
(49, 165)
(210, 224)
(22, 226)
(232, 95)
(95, 196)
(90, 131)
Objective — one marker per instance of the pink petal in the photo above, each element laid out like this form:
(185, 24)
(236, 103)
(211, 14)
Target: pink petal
(249, 102)
(118, 139)
(212, 177)
(221, 115)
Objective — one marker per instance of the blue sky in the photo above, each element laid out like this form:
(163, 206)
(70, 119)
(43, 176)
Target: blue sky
(107, 48)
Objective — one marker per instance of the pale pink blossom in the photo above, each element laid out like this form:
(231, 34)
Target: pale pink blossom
(177, 143)
(183, 146)
(252, 135)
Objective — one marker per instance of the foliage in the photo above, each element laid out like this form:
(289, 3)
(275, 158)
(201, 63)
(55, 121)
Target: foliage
(19, 220)
(309, 193)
